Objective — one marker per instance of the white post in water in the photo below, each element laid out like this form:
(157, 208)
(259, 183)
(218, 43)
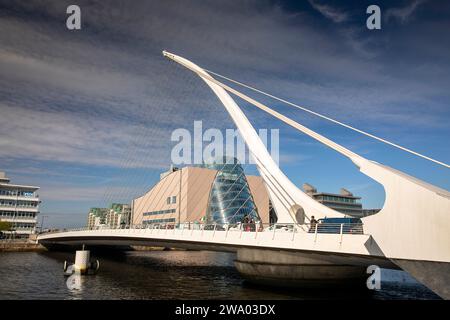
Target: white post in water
(82, 258)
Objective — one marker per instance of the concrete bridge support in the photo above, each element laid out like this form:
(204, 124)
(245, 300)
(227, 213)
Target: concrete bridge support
(434, 275)
(300, 269)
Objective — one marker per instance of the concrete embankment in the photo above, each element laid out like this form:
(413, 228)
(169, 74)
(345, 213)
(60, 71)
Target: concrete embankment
(20, 246)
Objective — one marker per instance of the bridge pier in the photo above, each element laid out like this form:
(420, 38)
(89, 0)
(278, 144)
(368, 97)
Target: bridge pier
(434, 275)
(299, 269)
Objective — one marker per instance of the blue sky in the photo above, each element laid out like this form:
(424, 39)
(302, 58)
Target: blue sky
(87, 115)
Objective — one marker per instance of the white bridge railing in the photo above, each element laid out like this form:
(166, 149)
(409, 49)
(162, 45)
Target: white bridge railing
(328, 237)
(331, 237)
(315, 228)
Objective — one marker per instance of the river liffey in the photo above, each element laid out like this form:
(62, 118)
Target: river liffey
(168, 275)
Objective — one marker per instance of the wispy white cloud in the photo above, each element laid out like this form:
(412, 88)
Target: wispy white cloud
(293, 158)
(75, 193)
(105, 97)
(53, 136)
(404, 14)
(329, 12)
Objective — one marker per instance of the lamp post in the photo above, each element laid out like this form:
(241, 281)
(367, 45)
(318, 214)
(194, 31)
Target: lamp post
(42, 223)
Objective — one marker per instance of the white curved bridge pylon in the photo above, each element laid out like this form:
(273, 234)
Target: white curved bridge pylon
(414, 223)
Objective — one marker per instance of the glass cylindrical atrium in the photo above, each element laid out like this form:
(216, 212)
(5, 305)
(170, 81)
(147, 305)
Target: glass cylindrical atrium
(230, 199)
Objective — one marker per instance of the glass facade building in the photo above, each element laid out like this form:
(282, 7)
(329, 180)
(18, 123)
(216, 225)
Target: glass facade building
(206, 193)
(230, 198)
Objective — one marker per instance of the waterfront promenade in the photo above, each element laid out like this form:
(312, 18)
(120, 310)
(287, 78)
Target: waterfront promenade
(20, 246)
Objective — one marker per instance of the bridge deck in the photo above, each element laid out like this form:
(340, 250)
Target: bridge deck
(221, 240)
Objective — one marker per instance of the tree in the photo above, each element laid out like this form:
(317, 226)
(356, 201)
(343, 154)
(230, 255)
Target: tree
(5, 226)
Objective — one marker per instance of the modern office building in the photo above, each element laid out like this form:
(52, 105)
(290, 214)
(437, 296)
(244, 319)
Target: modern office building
(118, 214)
(19, 205)
(344, 202)
(212, 193)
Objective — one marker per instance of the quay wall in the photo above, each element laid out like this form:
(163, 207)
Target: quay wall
(20, 246)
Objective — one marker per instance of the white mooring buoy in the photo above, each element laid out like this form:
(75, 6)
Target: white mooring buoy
(83, 264)
(82, 261)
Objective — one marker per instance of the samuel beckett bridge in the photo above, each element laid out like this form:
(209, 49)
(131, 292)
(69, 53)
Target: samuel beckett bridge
(297, 250)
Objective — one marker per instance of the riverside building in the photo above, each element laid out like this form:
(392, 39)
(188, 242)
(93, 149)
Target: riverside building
(19, 205)
(214, 193)
(118, 214)
(344, 202)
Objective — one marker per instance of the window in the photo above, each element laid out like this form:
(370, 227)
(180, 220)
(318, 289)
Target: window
(159, 221)
(168, 200)
(159, 212)
(174, 199)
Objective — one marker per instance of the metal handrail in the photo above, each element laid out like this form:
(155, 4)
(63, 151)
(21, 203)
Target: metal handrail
(315, 228)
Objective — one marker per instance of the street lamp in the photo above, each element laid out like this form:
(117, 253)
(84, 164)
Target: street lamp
(42, 222)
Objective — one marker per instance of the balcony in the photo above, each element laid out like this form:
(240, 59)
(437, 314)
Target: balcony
(15, 197)
(19, 209)
(19, 219)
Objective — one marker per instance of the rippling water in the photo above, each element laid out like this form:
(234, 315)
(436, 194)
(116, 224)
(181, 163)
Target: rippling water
(167, 275)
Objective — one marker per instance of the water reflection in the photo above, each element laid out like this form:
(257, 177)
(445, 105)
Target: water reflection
(161, 275)
(75, 282)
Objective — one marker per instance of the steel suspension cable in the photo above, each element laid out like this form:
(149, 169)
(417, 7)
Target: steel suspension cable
(329, 119)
